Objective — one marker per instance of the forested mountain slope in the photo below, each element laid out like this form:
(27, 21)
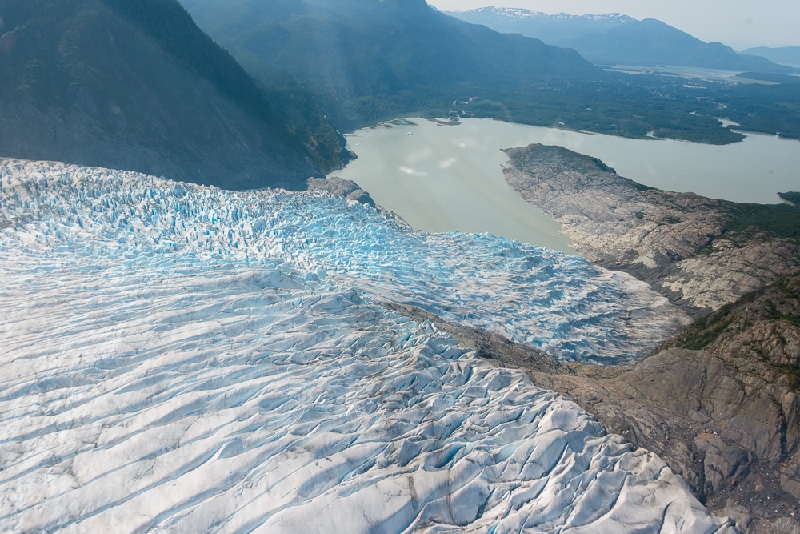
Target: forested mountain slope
(367, 61)
(137, 85)
(377, 57)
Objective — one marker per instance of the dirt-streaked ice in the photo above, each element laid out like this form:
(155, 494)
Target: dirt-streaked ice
(179, 359)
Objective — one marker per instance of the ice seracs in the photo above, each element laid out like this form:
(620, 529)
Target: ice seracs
(178, 359)
(531, 295)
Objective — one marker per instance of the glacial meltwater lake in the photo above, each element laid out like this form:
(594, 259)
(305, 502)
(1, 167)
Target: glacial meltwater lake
(443, 178)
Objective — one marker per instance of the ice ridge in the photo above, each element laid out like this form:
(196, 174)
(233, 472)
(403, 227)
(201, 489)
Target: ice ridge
(166, 369)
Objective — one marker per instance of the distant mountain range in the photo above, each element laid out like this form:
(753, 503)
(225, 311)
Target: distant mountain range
(137, 86)
(368, 61)
(788, 55)
(619, 39)
(376, 57)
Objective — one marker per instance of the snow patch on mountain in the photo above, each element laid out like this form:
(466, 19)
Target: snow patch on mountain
(519, 13)
(180, 359)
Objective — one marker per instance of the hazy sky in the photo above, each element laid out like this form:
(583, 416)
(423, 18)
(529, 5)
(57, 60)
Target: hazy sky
(737, 23)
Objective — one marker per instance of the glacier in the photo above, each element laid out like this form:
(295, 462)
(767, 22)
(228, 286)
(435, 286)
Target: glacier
(558, 303)
(182, 359)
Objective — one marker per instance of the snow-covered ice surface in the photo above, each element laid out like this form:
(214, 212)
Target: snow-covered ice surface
(177, 359)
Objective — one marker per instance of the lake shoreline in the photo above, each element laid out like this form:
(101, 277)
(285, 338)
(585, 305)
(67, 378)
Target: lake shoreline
(753, 170)
(691, 249)
(438, 182)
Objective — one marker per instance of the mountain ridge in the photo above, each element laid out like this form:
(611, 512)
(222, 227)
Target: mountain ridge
(138, 86)
(375, 57)
(789, 55)
(517, 12)
(619, 39)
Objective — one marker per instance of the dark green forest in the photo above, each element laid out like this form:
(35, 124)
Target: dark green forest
(779, 220)
(373, 61)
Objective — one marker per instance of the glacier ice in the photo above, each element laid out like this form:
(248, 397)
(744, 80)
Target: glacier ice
(546, 299)
(178, 359)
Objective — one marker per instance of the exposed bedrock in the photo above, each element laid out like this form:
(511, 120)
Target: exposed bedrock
(719, 402)
(680, 243)
(341, 188)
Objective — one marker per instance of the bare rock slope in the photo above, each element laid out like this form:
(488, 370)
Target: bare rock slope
(720, 403)
(681, 243)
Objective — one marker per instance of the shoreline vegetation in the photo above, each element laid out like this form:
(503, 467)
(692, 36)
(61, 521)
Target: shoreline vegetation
(696, 128)
(648, 109)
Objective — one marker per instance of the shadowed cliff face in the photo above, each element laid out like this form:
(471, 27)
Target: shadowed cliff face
(96, 83)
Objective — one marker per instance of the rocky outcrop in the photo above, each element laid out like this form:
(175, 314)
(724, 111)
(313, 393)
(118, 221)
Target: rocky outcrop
(729, 434)
(341, 188)
(678, 242)
(719, 403)
(730, 267)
